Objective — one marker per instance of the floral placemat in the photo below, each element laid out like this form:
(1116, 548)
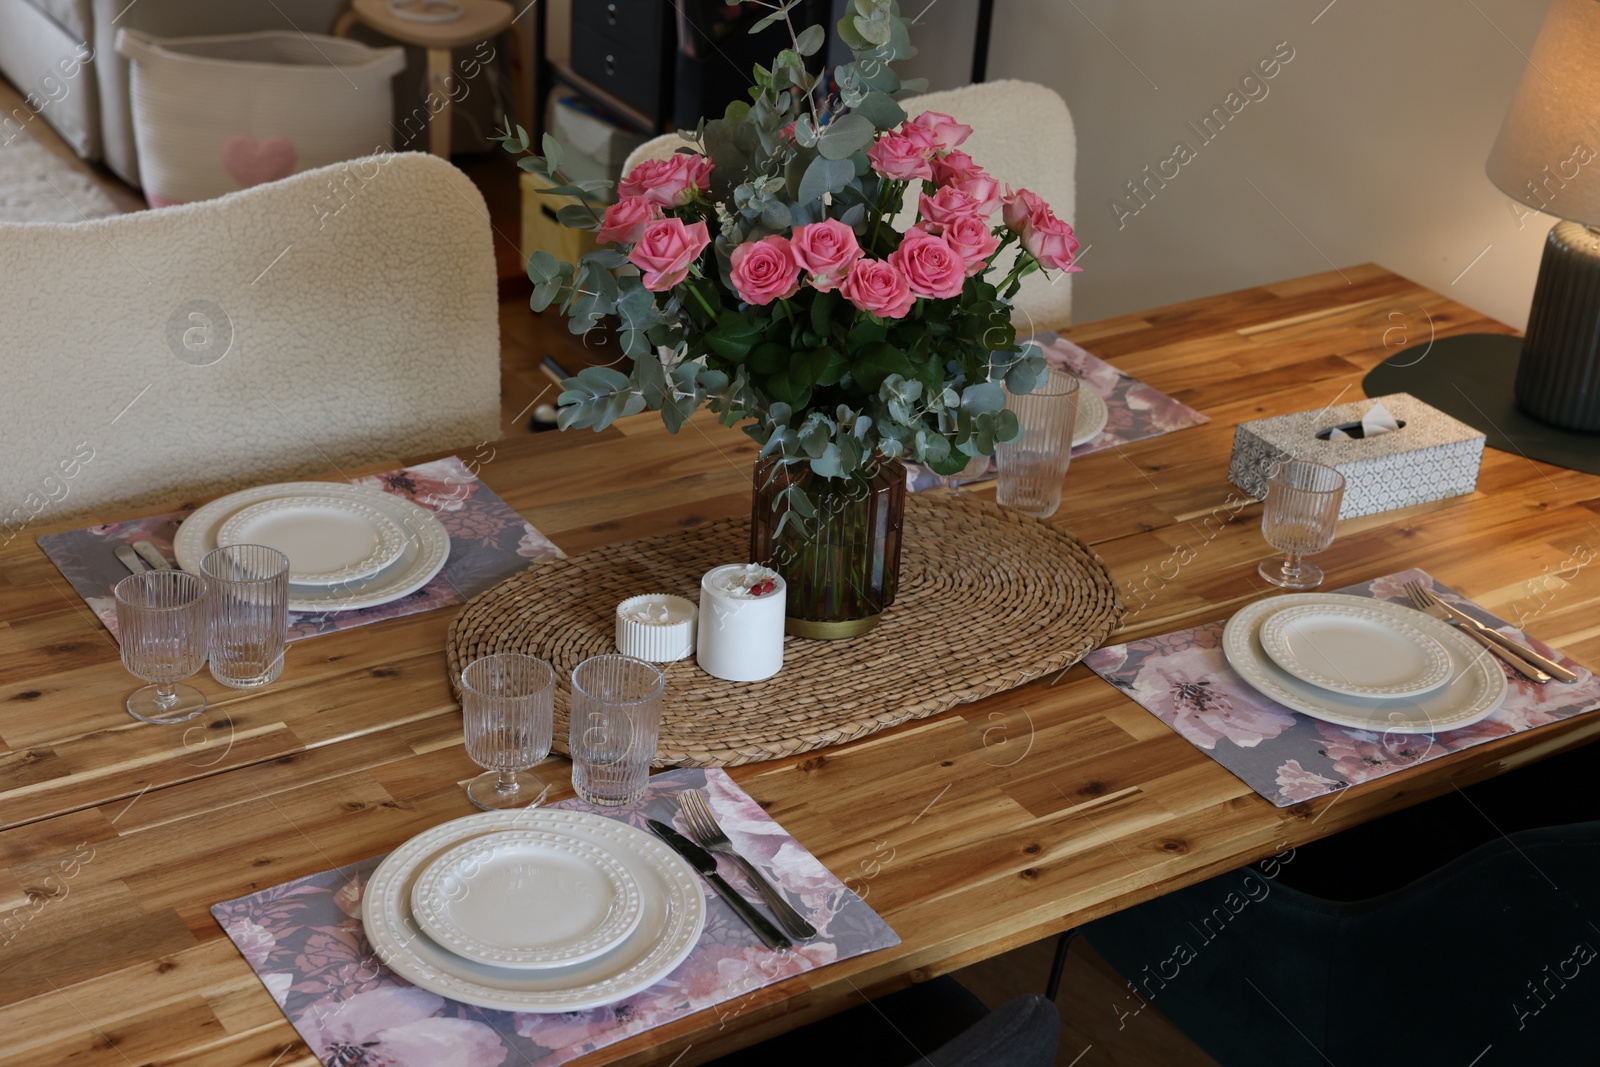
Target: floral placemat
(488, 543)
(1134, 410)
(1184, 679)
(304, 941)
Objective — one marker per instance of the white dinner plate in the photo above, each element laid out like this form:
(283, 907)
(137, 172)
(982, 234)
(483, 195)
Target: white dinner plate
(1356, 650)
(674, 913)
(328, 539)
(1091, 417)
(527, 898)
(427, 544)
(1475, 690)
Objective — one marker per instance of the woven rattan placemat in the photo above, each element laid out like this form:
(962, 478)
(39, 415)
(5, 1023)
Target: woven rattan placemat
(989, 600)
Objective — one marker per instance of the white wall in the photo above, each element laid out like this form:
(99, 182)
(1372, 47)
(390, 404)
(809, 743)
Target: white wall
(1371, 140)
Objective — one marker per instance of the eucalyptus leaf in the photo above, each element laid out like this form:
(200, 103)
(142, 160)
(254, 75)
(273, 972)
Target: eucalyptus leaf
(881, 110)
(810, 40)
(825, 175)
(845, 136)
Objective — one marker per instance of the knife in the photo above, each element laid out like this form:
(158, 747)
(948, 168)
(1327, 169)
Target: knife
(1517, 648)
(706, 864)
(152, 555)
(130, 559)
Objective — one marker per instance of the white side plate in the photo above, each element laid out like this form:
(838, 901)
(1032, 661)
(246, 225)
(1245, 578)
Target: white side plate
(1476, 688)
(673, 903)
(1091, 417)
(1353, 650)
(527, 898)
(427, 544)
(328, 539)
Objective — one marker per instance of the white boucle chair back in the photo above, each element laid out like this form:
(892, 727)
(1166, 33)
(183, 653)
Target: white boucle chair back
(342, 316)
(1022, 134)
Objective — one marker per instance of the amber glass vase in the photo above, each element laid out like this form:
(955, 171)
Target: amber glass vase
(842, 564)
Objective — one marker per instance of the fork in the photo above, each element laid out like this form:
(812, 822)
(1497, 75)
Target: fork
(1425, 601)
(708, 834)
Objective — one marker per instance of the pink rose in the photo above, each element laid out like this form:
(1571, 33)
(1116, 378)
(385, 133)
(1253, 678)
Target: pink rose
(626, 219)
(930, 265)
(666, 250)
(900, 157)
(944, 207)
(879, 288)
(1052, 243)
(1020, 206)
(953, 168)
(765, 270)
(670, 182)
(936, 129)
(984, 191)
(973, 241)
(825, 251)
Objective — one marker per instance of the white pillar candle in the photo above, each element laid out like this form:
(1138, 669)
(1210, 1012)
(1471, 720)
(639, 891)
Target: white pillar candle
(656, 627)
(741, 623)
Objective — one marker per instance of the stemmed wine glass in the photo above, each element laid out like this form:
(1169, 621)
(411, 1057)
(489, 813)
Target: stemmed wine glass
(507, 712)
(1302, 509)
(163, 622)
(975, 466)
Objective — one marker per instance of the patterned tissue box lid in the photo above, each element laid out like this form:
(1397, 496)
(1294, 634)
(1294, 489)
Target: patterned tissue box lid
(1431, 457)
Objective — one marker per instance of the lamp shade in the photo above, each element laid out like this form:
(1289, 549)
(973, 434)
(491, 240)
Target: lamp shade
(1548, 153)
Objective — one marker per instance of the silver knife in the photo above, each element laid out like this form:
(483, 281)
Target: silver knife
(706, 864)
(152, 555)
(1550, 667)
(130, 559)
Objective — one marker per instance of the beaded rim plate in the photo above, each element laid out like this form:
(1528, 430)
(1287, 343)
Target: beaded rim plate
(328, 539)
(527, 898)
(1091, 417)
(1475, 691)
(1354, 650)
(674, 915)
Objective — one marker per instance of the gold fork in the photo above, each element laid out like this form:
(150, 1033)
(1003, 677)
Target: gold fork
(1425, 601)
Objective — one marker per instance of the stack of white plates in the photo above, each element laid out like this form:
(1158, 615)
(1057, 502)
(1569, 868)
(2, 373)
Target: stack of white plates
(533, 910)
(1363, 663)
(349, 546)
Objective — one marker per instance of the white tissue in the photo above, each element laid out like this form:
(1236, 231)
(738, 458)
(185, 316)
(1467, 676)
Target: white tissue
(1376, 422)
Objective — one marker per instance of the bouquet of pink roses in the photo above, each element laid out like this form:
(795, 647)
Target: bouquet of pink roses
(761, 270)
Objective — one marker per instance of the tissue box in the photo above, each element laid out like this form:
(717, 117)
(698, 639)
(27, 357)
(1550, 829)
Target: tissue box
(1430, 457)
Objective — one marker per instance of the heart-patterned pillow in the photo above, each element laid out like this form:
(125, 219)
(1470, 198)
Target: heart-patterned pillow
(252, 162)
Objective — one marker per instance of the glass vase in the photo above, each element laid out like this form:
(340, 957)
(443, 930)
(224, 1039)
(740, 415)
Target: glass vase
(842, 564)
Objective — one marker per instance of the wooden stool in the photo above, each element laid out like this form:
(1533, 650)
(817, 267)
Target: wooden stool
(479, 21)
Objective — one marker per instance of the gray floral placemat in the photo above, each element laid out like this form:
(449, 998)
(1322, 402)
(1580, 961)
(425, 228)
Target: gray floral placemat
(304, 941)
(1134, 410)
(488, 542)
(1184, 679)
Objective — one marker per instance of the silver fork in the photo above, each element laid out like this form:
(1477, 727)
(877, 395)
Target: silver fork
(704, 829)
(1425, 601)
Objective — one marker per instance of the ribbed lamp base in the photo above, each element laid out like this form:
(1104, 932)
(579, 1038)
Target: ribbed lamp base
(1558, 378)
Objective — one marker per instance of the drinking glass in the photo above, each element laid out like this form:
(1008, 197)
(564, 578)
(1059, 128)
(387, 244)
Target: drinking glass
(976, 466)
(162, 621)
(1033, 468)
(249, 613)
(1303, 500)
(507, 713)
(616, 718)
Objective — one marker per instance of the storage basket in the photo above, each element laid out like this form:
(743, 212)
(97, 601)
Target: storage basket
(216, 114)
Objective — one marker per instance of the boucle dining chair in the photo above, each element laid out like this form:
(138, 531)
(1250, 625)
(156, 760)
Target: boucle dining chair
(341, 316)
(1022, 134)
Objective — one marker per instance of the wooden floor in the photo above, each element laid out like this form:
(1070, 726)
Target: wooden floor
(1092, 1035)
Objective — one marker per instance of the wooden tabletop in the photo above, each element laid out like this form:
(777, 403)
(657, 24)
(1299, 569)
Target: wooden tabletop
(971, 832)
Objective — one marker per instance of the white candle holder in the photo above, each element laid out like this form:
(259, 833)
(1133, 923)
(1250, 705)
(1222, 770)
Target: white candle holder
(656, 627)
(741, 622)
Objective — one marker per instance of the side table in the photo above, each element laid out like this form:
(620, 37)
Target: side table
(479, 21)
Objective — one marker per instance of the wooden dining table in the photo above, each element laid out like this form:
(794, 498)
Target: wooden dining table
(971, 832)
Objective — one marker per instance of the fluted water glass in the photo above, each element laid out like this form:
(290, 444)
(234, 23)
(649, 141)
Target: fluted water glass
(1301, 512)
(507, 715)
(1033, 467)
(162, 622)
(249, 586)
(616, 720)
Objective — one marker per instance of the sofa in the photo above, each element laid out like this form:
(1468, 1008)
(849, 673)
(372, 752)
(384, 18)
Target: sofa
(61, 57)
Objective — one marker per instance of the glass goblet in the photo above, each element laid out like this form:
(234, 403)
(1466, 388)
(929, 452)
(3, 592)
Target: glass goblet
(507, 714)
(1302, 509)
(163, 623)
(976, 466)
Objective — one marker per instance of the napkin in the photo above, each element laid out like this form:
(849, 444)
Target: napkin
(1376, 421)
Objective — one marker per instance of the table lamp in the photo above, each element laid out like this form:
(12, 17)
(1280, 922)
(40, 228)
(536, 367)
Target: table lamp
(1548, 157)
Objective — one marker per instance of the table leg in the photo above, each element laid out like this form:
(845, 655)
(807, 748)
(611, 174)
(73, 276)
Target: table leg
(439, 84)
(522, 61)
